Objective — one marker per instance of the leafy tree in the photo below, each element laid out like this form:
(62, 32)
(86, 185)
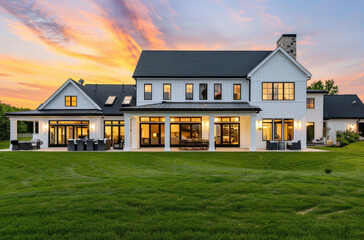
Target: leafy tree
(329, 86)
(5, 123)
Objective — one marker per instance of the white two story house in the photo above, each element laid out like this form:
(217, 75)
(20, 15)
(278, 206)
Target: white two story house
(235, 99)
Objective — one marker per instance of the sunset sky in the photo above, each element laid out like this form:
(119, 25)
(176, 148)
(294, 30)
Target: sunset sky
(43, 43)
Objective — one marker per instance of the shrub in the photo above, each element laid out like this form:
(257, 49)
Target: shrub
(328, 170)
(346, 137)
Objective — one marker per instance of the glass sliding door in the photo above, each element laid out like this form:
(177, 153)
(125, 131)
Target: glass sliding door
(310, 132)
(61, 131)
(185, 131)
(155, 134)
(227, 134)
(175, 136)
(144, 134)
(152, 134)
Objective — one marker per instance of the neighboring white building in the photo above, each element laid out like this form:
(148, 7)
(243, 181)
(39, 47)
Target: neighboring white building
(235, 99)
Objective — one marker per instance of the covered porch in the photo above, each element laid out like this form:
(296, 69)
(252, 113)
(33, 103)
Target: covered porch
(171, 131)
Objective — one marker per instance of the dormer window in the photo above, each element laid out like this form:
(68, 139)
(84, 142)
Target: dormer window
(110, 100)
(71, 101)
(127, 100)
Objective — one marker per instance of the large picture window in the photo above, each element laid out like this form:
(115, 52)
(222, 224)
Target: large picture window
(310, 103)
(217, 91)
(71, 101)
(274, 130)
(167, 91)
(189, 91)
(278, 91)
(147, 91)
(237, 91)
(203, 91)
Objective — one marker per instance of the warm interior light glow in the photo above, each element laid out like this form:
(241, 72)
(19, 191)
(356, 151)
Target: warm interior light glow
(259, 124)
(297, 124)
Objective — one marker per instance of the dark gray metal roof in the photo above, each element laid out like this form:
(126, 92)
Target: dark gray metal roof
(189, 106)
(66, 112)
(226, 64)
(316, 91)
(343, 107)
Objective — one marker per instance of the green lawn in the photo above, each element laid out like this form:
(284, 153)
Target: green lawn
(6, 144)
(200, 195)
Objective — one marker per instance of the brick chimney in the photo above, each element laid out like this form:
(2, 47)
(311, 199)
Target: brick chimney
(288, 43)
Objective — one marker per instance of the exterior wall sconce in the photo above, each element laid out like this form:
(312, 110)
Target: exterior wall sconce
(352, 127)
(206, 124)
(45, 126)
(297, 124)
(92, 126)
(259, 125)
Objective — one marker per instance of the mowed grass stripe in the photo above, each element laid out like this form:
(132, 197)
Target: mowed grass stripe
(46, 195)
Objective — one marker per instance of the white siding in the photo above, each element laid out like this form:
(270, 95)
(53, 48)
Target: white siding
(58, 102)
(316, 115)
(179, 90)
(280, 69)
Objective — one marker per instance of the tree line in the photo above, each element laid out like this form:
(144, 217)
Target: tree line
(23, 127)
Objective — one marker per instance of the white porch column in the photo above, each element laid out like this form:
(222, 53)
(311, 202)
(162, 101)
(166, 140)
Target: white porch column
(134, 135)
(212, 133)
(253, 133)
(127, 132)
(167, 133)
(13, 130)
(33, 127)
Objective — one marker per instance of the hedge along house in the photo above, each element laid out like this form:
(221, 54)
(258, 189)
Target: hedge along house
(235, 99)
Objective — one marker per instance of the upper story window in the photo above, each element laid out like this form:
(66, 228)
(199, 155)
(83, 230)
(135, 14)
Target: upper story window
(71, 101)
(278, 91)
(189, 91)
(217, 91)
(147, 91)
(167, 91)
(203, 91)
(237, 91)
(310, 103)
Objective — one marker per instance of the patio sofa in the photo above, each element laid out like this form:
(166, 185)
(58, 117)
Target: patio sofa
(272, 145)
(294, 145)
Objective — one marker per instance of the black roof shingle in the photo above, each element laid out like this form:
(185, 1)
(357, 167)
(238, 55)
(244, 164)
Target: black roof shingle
(225, 64)
(343, 107)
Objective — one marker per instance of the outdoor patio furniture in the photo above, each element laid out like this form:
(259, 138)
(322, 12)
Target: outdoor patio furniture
(272, 145)
(80, 145)
(71, 145)
(119, 145)
(100, 145)
(194, 144)
(90, 145)
(281, 145)
(107, 143)
(294, 145)
(15, 145)
(25, 145)
(36, 143)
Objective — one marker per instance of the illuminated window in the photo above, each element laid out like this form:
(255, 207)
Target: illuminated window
(237, 91)
(288, 129)
(71, 101)
(167, 91)
(267, 129)
(278, 91)
(217, 91)
(147, 91)
(189, 91)
(310, 103)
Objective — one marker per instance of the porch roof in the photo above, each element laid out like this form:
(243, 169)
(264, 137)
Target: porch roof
(66, 112)
(192, 106)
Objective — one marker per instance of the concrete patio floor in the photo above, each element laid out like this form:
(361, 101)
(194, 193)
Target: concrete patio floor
(173, 149)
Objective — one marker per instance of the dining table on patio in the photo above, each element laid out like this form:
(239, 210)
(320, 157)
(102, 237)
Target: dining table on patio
(194, 144)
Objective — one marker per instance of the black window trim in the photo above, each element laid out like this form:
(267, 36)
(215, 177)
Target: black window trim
(313, 102)
(186, 91)
(151, 91)
(220, 90)
(70, 96)
(170, 93)
(283, 136)
(238, 84)
(207, 92)
(294, 94)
